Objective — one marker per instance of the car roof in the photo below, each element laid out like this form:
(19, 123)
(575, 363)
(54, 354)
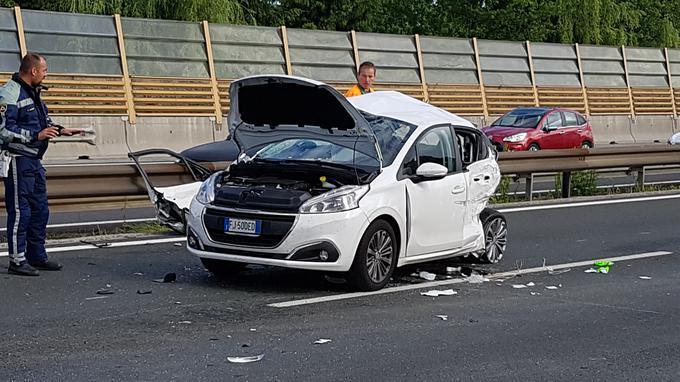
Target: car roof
(404, 108)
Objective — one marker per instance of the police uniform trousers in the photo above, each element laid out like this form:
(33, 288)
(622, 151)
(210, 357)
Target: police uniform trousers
(27, 210)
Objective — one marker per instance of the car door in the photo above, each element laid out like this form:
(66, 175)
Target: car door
(571, 130)
(552, 132)
(482, 175)
(436, 206)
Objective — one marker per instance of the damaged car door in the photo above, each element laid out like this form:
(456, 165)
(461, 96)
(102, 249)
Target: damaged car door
(436, 190)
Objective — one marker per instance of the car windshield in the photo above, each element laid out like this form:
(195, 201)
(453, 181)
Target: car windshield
(312, 150)
(520, 118)
(391, 134)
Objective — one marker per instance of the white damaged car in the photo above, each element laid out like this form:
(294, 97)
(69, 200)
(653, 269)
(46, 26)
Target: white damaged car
(360, 185)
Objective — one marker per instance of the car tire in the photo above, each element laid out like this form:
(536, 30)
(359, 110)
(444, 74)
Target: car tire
(375, 259)
(495, 230)
(222, 267)
(586, 145)
(534, 147)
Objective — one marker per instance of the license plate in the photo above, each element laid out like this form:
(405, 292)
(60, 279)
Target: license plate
(252, 227)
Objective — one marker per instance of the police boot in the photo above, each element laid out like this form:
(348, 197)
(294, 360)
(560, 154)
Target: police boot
(47, 265)
(24, 269)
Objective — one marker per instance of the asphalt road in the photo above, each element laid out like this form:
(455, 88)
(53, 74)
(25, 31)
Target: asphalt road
(613, 326)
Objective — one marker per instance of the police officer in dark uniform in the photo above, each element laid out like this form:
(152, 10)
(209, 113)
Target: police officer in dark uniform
(25, 129)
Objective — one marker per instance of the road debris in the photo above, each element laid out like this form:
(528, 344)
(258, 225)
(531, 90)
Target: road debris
(452, 269)
(138, 274)
(443, 317)
(553, 272)
(249, 359)
(644, 277)
(518, 286)
(535, 293)
(427, 276)
(551, 287)
(143, 291)
(168, 278)
(101, 244)
(96, 298)
(185, 322)
(322, 341)
(436, 293)
(253, 329)
(530, 284)
(105, 291)
(177, 244)
(476, 278)
(601, 267)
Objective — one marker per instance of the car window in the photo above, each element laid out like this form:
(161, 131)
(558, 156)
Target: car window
(520, 118)
(410, 164)
(569, 118)
(311, 150)
(391, 134)
(553, 120)
(580, 119)
(436, 146)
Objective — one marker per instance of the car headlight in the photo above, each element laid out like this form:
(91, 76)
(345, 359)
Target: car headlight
(519, 137)
(341, 199)
(206, 193)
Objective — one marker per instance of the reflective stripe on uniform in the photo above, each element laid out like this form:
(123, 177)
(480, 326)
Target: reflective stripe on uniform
(16, 257)
(25, 102)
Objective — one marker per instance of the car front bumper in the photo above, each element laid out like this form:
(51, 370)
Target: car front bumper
(325, 242)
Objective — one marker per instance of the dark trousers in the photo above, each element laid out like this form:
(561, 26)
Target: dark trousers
(27, 210)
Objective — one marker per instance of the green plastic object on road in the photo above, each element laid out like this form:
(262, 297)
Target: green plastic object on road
(603, 266)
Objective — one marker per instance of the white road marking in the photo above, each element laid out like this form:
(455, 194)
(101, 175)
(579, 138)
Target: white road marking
(591, 203)
(113, 245)
(84, 224)
(431, 284)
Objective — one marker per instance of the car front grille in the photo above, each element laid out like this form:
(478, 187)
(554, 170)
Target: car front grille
(274, 228)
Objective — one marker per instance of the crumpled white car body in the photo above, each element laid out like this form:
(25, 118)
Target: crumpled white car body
(417, 198)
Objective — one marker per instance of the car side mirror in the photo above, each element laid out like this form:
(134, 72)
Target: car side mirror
(431, 171)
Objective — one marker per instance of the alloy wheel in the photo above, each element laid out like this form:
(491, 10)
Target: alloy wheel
(496, 239)
(379, 256)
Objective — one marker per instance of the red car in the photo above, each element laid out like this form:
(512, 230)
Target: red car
(538, 128)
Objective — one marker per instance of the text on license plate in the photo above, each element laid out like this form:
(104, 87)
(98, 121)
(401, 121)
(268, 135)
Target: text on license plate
(252, 227)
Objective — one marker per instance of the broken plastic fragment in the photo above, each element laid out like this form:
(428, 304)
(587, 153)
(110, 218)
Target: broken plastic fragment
(591, 270)
(603, 266)
(553, 272)
(322, 341)
(168, 278)
(98, 245)
(476, 278)
(427, 276)
(105, 291)
(644, 277)
(443, 317)
(249, 359)
(435, 293)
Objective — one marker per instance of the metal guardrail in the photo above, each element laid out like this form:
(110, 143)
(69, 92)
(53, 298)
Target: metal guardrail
(121, 179)
(525, 164)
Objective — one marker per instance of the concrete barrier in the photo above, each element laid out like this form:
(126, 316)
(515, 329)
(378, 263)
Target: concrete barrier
(611, 128)
(109, 139)
(652, 128)
(478, 120)
(174, 133)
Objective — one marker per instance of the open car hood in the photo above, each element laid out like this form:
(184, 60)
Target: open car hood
(271, 108)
